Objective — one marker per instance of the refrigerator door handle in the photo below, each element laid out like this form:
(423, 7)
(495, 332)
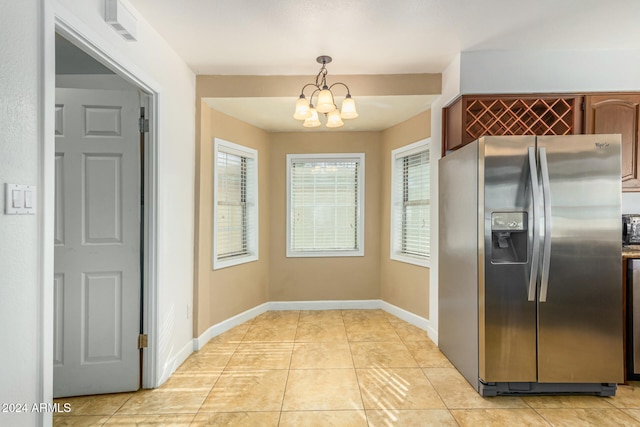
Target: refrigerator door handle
(535, 251)
(546, 249)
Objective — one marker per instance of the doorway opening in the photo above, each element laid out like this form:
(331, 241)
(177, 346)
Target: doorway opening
(105, 222)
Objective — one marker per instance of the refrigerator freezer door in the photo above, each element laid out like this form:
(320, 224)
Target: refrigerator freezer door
(580, 323)
(507, 325)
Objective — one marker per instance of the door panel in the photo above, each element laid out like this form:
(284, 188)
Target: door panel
(97, 242)
(103, 199)
(508, 320)
(102, 320)
(102, 121)
(580, 324)
(58, 230)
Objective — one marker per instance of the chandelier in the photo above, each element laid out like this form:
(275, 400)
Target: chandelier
(305, 109)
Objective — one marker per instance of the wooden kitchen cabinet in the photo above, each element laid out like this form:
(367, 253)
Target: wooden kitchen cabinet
(472, 116)
(618, 113)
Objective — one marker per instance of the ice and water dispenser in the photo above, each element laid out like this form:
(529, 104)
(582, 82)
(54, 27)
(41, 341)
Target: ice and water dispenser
(508, 237)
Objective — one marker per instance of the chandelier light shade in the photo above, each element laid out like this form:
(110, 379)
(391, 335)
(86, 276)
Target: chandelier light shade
(312, 121)
(302, 109)
(348, 110)
(333, 119)
(325, 101)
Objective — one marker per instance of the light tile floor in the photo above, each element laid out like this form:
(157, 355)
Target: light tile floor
(334, 368)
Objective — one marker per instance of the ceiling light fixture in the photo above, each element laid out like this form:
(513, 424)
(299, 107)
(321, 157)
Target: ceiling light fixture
(325, 101)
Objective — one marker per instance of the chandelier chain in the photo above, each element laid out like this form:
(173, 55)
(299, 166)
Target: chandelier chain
(321, 78)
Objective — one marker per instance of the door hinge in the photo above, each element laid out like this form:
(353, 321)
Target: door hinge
(143, 124)
(142, 341)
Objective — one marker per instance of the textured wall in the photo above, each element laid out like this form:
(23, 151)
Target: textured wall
(19, 255)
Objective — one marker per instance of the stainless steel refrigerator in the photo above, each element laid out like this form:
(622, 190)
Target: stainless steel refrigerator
(530, 269)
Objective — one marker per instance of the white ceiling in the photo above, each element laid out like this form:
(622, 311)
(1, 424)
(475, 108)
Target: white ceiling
(283, 37)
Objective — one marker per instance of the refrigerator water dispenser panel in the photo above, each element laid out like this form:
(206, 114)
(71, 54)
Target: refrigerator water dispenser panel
(508, 237)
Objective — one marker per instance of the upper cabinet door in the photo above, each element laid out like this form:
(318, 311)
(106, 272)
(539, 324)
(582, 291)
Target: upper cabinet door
(618, 113)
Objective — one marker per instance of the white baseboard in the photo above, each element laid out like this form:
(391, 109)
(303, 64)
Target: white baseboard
(174, 363)
(367, 304)
(411, 318)
(227, 324)
(373, 304)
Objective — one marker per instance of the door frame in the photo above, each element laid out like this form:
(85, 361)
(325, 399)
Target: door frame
(79, 35)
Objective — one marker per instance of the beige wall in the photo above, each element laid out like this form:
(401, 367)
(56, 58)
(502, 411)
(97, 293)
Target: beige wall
(401, 284)
(341, 278)
(223, 293)
(211, 86)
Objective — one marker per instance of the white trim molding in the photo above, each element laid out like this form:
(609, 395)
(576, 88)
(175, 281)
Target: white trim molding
(46, 200)
(227, 324)
(414, 319)
(173, 363)
(367, 304)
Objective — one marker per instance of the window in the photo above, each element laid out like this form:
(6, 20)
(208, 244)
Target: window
(235, 204)
(410, 203)
(325, 199)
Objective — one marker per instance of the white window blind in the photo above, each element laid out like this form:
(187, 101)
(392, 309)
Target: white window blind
(410, 229)
(235, 205)
(325, 198)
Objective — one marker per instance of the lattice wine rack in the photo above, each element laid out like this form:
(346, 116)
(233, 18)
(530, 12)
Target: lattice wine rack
(519, 117)
(514, 115)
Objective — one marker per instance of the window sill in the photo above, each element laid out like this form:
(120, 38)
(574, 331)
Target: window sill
(323, 254)
(421, 262)
(219, 264)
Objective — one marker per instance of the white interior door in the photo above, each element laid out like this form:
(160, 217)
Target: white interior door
(97, 242)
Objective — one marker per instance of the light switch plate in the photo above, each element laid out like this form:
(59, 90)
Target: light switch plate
(19, 199)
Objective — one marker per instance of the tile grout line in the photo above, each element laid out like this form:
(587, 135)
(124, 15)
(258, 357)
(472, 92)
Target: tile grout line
(120, 407)
(355, 370)
(426, 376)
(430, 383)
(539, 414)
(286, 382)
